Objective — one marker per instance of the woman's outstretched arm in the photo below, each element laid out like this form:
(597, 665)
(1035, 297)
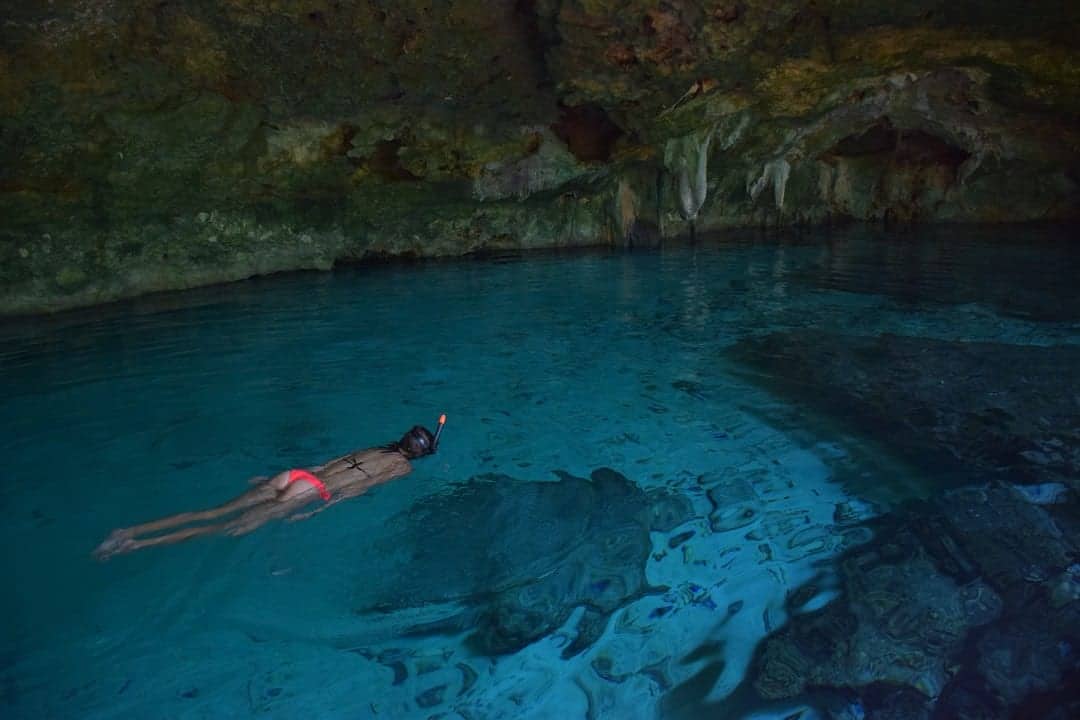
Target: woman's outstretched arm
(341, 496)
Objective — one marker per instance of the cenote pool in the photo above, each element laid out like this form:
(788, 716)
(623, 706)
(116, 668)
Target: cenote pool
(830, 475)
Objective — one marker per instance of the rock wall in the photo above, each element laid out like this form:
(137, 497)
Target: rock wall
(149, 145)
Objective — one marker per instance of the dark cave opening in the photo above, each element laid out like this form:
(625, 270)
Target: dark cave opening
(587, 131)
(907, 147)
(386, 164)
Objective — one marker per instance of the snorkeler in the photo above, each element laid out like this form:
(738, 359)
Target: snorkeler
(284, 494)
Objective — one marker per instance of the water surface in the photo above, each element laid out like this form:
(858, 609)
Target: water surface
(496, 580)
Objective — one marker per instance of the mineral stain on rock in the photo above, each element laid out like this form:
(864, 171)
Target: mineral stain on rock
(510, 561)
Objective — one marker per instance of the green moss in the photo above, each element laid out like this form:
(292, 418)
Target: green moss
(71, 278)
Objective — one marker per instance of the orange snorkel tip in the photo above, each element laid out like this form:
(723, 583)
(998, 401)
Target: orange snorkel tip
(438, 432)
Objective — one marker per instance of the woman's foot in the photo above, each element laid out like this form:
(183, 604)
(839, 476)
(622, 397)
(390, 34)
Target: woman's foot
(119, 541)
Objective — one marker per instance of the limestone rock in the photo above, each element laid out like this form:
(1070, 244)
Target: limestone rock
(412, 127)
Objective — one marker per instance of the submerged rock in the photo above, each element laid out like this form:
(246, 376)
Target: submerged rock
(509, 561)
(1043, 493)
(1065, 588)
(977, 557)
(899, 623)
(958, 411)
(998, 555)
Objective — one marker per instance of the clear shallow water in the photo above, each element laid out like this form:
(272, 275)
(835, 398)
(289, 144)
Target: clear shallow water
(544, 364)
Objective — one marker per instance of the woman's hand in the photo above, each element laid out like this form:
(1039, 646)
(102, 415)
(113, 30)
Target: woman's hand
(304, 516)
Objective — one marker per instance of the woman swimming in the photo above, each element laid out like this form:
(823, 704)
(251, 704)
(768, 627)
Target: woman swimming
(283, 495)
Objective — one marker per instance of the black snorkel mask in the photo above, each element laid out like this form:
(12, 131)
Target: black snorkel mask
(419, 442)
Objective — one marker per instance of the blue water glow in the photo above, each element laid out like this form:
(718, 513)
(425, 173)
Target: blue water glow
(543, 363)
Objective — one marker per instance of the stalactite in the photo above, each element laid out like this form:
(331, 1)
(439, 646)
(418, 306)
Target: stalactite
(687, 159)
(775, 173)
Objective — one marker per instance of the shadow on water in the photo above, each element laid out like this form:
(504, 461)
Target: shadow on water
(1026, 272)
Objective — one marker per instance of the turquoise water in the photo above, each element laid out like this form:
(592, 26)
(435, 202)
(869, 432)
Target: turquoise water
(485, 584)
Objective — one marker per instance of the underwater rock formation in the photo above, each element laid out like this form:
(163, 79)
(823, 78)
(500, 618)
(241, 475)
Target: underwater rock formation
(966, 604)
(148, 145)
(952, 601)
(900, 624)
(954, 409)
(509, 561)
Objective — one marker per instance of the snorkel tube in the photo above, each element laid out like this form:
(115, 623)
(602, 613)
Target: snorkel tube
(438, 432)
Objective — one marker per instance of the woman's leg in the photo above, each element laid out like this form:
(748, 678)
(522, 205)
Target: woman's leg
(260, 505)
(115, 546)
(254, 496)
(254, 517)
